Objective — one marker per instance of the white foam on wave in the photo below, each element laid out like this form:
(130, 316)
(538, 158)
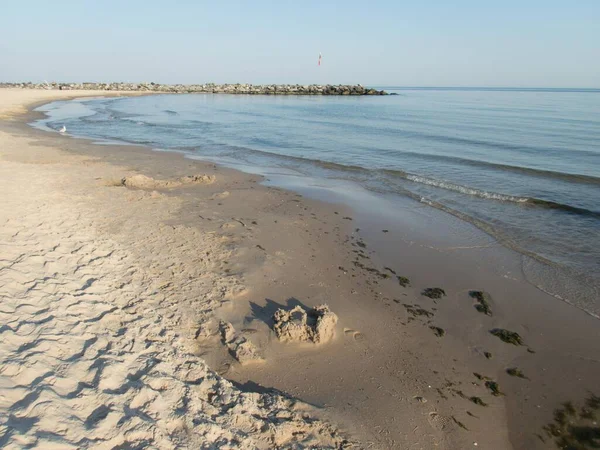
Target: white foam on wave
(466, 190)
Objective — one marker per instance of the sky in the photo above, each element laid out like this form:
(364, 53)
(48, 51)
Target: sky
(526, 43)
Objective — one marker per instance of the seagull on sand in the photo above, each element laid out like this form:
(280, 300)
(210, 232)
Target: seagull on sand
(63, 129)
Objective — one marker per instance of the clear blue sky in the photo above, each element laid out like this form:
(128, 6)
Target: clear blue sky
(526, 43)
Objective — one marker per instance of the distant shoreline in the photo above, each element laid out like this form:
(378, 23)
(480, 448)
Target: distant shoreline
(490, 89)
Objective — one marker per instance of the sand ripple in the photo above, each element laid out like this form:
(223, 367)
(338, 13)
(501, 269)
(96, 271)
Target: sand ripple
(95, 345)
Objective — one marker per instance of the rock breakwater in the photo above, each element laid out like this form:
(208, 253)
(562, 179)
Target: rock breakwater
(249, 89)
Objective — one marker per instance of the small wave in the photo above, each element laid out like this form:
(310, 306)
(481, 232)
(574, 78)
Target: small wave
(466, 190)
(441, 184)
(570, 177)
(502, 197)
(171, 112)
(561, 206)
(542, 173)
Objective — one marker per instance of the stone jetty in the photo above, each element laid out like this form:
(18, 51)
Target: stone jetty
(249, 89)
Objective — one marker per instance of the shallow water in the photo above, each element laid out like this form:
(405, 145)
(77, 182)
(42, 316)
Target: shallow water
(523, 165)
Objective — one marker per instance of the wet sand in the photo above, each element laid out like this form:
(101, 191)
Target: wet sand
(404, 370)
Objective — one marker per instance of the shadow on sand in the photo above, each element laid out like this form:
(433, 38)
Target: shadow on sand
(265, 313)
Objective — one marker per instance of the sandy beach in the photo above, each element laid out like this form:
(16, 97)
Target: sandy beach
(103, 295)
(138, 294)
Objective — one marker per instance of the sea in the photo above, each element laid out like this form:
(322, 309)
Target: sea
(523, 165)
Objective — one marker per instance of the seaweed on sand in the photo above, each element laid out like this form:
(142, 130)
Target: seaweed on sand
(482, 305)
(510, 337)
(371, 270)
(459, 423)
(434, 293)
(515, 372)
(490, 384)
(403, 281)
(576, 428)
(494, 388)
(439, 332)
(477, 401)
(415, 310)
(481, 377)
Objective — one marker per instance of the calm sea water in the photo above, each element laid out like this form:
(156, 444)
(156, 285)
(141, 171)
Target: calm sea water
(523, 165)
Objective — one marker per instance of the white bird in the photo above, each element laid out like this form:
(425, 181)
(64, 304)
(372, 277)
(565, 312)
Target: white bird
(63, 129)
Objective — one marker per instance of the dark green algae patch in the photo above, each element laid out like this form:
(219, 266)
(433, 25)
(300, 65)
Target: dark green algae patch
(371, 270)
(434, 293)
(439, 332)
(492, 385)
(473, 399)
(477, 401)
(515, 372)
(403, 281)
(494, 388)
(482, 305)
(510, 337)
(575, 428)
(416, 310)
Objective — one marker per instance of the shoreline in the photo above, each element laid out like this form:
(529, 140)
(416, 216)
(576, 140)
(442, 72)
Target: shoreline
(422, 364)
(563, 281)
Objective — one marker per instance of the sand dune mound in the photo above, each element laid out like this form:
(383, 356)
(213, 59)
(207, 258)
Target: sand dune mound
(140, 181)
(315, 325)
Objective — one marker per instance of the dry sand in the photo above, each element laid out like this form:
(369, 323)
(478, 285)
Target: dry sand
(121, 294)
(101, 300)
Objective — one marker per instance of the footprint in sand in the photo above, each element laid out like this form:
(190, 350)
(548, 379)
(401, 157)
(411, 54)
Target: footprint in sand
(356, 335)
(440, 423)
(221, 195)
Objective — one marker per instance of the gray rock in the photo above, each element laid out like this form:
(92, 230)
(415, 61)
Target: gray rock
(248, 89)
